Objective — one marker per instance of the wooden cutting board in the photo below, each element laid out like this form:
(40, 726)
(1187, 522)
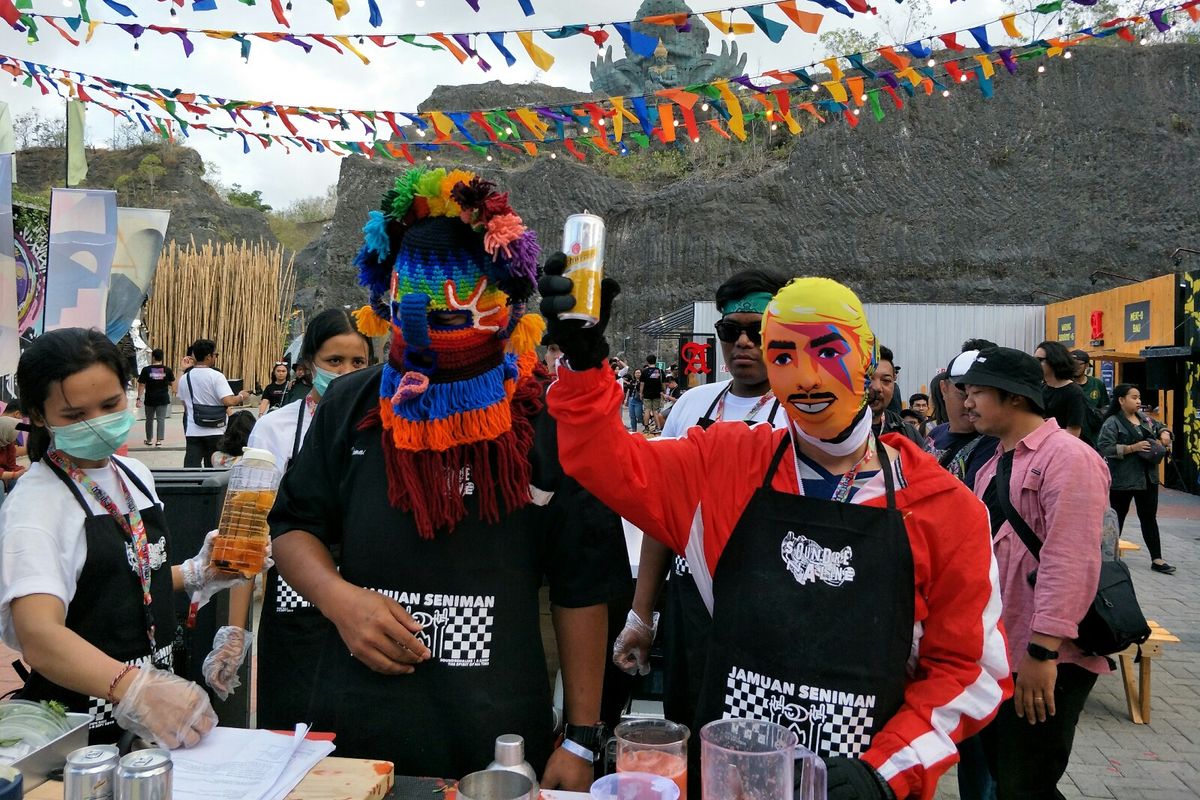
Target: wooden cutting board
(331, 779)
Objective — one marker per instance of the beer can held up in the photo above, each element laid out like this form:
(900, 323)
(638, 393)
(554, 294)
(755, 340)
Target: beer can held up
(583, 244)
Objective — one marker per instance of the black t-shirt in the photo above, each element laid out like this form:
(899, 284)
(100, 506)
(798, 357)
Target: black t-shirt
(947, 445)
(583, 556)
(274, 394)
(652, 383)
(158, 379)
(1065, 404)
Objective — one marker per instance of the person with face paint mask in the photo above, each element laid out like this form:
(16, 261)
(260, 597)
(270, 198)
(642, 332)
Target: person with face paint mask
(746, 398)
(851, 580)
(87, 587)
(332, 346)
(425, 473)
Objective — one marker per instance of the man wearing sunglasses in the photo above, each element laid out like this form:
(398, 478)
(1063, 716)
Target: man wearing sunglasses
(745, 397)
(853, 591)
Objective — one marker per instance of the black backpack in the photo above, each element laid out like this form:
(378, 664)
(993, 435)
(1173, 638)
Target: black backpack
(1115, 620)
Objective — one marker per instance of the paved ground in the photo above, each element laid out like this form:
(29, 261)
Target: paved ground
(1113, 758)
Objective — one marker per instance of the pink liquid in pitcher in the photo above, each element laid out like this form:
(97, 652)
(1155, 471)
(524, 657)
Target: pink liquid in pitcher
(656, 762)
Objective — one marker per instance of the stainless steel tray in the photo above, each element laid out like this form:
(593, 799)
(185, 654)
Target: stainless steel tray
(53, 755)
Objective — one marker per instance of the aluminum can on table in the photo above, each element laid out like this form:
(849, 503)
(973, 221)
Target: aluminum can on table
(583, 244)
(90, 773)
(144, 775)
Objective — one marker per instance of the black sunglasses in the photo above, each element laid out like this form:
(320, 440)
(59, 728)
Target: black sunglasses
(730, 332)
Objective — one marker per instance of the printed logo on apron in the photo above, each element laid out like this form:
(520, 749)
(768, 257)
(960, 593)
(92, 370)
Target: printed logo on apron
(158, 554)
(809, 562)
(681, 566)
(826, 720)
(457, 628)
(288, 599)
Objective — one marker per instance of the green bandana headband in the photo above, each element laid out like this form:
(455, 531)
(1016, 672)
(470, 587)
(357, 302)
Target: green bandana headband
(753, 303)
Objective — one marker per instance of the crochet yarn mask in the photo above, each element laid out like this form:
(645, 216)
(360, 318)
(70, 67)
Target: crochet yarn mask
(458, 388)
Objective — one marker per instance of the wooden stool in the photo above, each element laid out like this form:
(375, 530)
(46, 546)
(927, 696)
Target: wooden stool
(1137, 694)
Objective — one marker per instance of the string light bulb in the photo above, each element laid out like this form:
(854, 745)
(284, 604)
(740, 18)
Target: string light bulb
(601, 123)
(429, 158)
(945, 92)
(774, 126)
(962, 78)
(695, 139)
(584, 129)
(816, 88)
(421, 132)
(508, 131)
(1067, 54)
(857, 111)
(931, 62)
(554, 155)
(1041, 68)
(489, 158)
(862, 98)
(1144, 41)
(704, 106)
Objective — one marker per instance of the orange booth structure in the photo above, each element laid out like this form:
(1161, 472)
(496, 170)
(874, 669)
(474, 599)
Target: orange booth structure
(1147, 334)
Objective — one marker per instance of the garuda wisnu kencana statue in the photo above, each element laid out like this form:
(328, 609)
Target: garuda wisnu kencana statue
(681, 58)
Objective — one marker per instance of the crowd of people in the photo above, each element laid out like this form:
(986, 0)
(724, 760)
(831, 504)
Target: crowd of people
(815, 553)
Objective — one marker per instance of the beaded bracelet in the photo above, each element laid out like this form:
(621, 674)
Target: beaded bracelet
(112, 687)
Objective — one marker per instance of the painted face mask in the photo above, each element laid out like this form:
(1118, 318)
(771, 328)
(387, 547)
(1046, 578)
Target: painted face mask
(93, 439)
(450, 266)
(820, 355)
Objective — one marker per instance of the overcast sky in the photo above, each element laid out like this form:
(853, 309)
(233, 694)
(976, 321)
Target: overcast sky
(398, 78)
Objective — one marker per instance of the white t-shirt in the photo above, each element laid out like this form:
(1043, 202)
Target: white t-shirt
(42, 542)
(210, 387)
(695, 402)
(276, 432)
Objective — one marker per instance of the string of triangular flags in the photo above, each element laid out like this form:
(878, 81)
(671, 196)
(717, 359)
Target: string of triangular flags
(340, 8)
(463, 46)
(501, 130)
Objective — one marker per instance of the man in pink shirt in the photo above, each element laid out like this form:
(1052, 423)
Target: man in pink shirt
(1059, 486)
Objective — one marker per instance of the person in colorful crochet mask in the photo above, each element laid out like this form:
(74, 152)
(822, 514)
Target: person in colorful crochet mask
(421, 475)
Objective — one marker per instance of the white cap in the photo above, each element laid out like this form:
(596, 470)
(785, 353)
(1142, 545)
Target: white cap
(961, 363)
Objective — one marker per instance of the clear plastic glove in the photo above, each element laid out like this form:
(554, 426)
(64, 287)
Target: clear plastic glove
(631, 650)
(202, 581)
(221, 665)
(165, 709)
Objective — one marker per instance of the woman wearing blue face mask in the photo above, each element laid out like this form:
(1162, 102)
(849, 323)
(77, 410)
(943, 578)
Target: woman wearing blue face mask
(332, 346)
(85, 583)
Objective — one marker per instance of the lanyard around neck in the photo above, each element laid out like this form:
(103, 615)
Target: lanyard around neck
(132, 525)
(719, 405)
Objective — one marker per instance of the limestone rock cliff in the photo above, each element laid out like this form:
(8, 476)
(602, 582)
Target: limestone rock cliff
(1091, 165)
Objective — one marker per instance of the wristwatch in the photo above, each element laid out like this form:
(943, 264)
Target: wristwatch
(1039, 653)
(586, 736)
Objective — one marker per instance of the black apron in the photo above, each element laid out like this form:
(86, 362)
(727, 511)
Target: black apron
(291, 632)
(813, 617)
(476, 593)
(686, 620)
(107, 609)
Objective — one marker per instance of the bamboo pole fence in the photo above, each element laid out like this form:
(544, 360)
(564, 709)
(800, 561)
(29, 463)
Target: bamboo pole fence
(237, 294)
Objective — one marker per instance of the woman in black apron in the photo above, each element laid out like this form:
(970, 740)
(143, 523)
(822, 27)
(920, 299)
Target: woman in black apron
(84, 557)
(291, 630)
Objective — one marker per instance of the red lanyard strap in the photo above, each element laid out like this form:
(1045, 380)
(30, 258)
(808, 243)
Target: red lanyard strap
(131, 525)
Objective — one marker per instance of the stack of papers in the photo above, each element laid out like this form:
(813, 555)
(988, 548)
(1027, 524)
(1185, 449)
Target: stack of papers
(237, 764)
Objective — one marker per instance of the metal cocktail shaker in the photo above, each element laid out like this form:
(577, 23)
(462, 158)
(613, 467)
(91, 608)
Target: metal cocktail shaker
(510, 757)
(144, 775)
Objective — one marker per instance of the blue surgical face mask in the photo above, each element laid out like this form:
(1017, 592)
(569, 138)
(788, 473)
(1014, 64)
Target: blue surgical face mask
(321, 379)
(93, 439)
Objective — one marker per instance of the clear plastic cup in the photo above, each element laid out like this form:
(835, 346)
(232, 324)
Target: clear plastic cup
(634, 786)
(748, 759)
(654, 746)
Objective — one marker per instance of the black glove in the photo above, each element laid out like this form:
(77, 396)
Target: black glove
(854, 779)
(584, 348)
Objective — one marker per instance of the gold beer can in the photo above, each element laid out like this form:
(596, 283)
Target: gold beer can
(583, 244)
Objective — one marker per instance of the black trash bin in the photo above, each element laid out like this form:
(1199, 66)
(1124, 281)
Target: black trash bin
(192, 500)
